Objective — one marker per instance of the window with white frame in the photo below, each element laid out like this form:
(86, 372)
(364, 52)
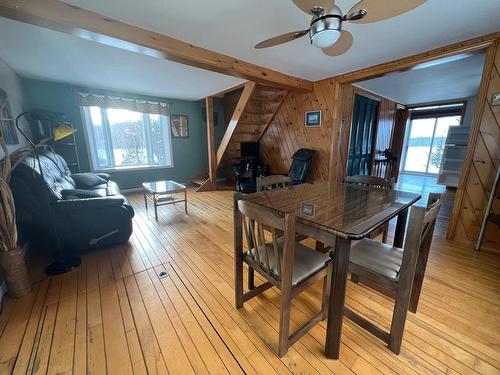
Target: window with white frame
(125, 139)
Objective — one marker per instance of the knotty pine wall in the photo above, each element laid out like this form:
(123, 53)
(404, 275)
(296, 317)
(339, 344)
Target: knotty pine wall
(478, 178)
(385, 125)
(287, 132)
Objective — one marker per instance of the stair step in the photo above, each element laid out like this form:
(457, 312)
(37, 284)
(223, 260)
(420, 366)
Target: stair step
(254, 123)
(237, 132)
(263, 113)
(267, 90)
(199, 181)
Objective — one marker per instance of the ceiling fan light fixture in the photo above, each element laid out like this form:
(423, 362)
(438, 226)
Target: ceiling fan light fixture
(325, 30)
(325, 38)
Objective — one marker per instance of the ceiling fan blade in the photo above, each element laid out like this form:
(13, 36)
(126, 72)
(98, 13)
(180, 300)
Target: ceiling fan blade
(307, 5)
(283, 38)
(378, 10)
(341, 46)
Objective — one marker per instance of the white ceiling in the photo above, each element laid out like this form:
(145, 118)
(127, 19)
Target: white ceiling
(39, 53)
(231, 27)
(444, 81)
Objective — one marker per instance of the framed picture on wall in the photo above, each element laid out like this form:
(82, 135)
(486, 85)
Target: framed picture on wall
(7, 126)
(313, 119)
(179, 126)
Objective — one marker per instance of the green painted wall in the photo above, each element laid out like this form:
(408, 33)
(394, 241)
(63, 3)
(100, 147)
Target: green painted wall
(190, 154)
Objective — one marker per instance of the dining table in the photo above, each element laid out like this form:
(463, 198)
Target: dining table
(335, 214)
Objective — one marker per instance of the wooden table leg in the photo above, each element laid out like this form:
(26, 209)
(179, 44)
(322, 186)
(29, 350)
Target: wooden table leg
(185, 201)
(399, 235)
(145, 199)
(340, 259)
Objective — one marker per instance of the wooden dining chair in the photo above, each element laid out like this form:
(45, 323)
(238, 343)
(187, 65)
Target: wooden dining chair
(274, 182)
(376, 182)
(396, 272)
(284, 263)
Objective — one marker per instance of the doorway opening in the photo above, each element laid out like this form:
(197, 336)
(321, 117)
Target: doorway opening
(419, 135)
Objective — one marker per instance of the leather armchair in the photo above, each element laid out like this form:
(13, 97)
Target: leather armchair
(81, 211)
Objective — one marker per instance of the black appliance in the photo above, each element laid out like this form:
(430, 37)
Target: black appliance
(250, 150)
(301, 165)
(248, 168)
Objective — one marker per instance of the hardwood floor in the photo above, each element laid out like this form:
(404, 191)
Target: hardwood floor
(116, 315)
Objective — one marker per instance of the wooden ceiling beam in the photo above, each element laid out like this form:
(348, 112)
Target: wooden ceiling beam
(82, 23)
(471, 45)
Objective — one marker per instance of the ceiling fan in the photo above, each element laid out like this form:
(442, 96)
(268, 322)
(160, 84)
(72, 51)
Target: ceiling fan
(326, 32)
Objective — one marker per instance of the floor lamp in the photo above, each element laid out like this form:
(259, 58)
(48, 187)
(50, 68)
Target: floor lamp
(62, 264)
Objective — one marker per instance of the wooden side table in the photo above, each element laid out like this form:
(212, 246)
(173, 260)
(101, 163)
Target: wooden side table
(161, 193)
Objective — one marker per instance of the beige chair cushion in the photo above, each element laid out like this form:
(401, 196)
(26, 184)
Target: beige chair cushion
(307, 261)
(377, 257)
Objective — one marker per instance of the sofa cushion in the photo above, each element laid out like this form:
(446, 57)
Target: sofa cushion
(87, 180)
(80, 193)
(55, 173)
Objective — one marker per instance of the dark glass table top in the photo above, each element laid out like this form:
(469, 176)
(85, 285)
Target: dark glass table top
(349, 211)
(166, 186)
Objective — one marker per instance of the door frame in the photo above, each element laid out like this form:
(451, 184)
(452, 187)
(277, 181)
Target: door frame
(344, 89)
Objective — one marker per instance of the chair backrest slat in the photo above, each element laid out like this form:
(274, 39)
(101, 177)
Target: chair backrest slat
(276, 251)
(430, 217)
(262, 245)
(420, 231)
(274, 182)
(372, 181)
(260, 220)
(262, 215)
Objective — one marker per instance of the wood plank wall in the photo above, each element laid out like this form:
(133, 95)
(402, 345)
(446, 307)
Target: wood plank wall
(386, 119)
(478, 178)
(287, 132)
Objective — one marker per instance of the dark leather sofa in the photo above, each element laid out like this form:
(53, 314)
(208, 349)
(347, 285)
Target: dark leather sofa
(86, 210)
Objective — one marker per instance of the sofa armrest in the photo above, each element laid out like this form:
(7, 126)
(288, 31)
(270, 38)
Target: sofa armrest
(87, 180)
(104, 176)
(90, 203)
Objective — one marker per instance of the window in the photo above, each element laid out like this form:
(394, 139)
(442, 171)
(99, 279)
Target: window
(426, 138)
(124, 139)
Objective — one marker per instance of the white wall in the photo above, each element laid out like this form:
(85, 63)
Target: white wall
(10, 83)
(470, 108)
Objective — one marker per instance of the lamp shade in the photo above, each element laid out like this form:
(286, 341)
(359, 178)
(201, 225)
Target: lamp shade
(62, 131)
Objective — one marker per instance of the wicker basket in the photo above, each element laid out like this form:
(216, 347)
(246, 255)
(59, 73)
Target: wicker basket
(15, 272)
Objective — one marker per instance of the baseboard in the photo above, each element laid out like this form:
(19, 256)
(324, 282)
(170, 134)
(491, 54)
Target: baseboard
(131, 190)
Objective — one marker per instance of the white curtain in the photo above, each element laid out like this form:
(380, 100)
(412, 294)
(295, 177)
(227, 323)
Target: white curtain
(88, 99)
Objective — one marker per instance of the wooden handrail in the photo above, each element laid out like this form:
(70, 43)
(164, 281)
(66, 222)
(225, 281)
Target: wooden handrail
(235, 118)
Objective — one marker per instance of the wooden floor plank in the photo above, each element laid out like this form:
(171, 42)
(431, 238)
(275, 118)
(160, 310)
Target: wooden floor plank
(118, 359)
(33, 330)
(62, 351)
(116, 315)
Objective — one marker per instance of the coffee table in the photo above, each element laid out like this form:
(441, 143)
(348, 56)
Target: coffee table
(161, 193)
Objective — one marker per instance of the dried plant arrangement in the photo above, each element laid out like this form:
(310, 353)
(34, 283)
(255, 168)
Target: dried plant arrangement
(11, 257)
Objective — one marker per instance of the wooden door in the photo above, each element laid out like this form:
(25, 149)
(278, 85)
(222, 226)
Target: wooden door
(362, 139)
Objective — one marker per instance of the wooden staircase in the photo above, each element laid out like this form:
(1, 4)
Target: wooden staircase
(253, 112)
(258, 111)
